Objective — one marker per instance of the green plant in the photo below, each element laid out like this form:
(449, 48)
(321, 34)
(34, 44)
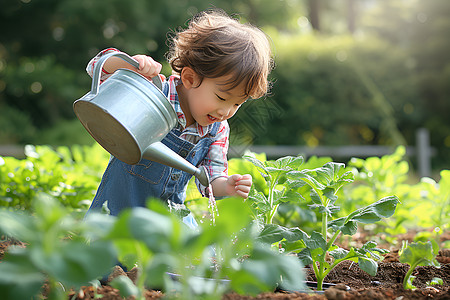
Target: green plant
(435, 199)
(68, 252)
(417, 254)
(69, 174)
(57, 251)
(274, 198)
(324, 183)
(435, 281)
(279, 189)
(375, 178)
(157, 242)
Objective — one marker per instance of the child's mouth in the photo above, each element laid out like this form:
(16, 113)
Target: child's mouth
(211, 118)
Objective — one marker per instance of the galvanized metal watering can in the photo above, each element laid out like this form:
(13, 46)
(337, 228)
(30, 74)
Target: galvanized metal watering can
(129, 116)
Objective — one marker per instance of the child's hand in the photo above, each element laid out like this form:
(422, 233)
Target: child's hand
(239, 185)
(147, 66)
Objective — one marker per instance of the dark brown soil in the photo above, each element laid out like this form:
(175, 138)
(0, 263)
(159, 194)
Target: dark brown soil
(387, 284)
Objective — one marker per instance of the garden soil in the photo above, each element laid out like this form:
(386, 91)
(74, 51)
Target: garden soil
(387, 284)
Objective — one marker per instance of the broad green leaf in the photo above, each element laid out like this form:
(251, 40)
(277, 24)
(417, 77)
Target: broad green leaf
(420, 254)
(329, 172)
(289, 162)
(330, 194)
(369, 248)
(294, 184)
(293, 247)
(277, 196)
(318, 254)
(347, 227)
(263, 266)
(269, 267)
(339, 253)
(244, 282)
(329, 175)
(155, 272)
(49, 210)
(296, 162)
(315, 197)
(258, 197)
(291, 271)
(329, 210)
(259, 201)
(131, 252)
(383, 208)
(315, 241)
(292, 196)
(19, 278)
(120, 228)
(76, 263)
(258, 164)
(305, 256)
(309, 179)
(368, 265)
(18, 225)
(273, 171)
(435, 281)
(369, 245)
(154, 229)
(100, 225)
(273, 233)
(125, 286)
(372, 213)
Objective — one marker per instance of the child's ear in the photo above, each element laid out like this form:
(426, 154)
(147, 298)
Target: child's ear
(189, 78)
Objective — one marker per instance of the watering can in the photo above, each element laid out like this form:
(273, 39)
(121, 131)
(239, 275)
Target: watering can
(129, 116)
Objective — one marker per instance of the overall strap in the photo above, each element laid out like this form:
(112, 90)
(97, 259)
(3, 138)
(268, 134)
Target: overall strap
(215, 129)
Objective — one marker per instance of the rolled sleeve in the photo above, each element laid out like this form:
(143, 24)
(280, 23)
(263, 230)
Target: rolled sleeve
(91, 65)
(216, 162)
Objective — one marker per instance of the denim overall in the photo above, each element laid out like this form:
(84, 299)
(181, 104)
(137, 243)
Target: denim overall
(125, 186)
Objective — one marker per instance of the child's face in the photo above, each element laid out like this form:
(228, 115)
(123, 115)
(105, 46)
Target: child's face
(212, 102)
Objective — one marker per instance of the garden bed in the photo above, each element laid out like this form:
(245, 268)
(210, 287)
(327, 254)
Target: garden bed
(387, 284)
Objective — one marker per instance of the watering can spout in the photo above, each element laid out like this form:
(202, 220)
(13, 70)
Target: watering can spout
(160, 153)
(202, 176)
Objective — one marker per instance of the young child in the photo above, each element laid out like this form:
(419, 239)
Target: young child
(218, 63)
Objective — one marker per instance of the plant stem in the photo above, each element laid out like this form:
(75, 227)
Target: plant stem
(320, 283)
(324, 225)
(272, 210)
(408, 274)
(319, 276)
(333, 238)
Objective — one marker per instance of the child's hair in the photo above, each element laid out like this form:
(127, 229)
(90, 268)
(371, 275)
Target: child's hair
(216, 45)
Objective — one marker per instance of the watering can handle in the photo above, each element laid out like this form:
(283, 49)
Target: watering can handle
(99, 65)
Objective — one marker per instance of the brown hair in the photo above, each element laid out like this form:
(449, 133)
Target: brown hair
(216, 45)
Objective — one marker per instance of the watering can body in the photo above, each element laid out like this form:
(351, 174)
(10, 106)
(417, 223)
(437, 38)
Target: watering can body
(129, 116)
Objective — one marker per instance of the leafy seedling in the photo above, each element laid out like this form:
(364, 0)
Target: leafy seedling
(418, 254)
(284, 176)
(266, 201)
(58, 250)
(435, 281)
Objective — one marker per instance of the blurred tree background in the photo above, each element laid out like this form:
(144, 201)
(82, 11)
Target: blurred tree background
(348, 72)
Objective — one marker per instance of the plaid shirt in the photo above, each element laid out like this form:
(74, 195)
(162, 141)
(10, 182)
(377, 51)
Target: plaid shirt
(216, 159)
